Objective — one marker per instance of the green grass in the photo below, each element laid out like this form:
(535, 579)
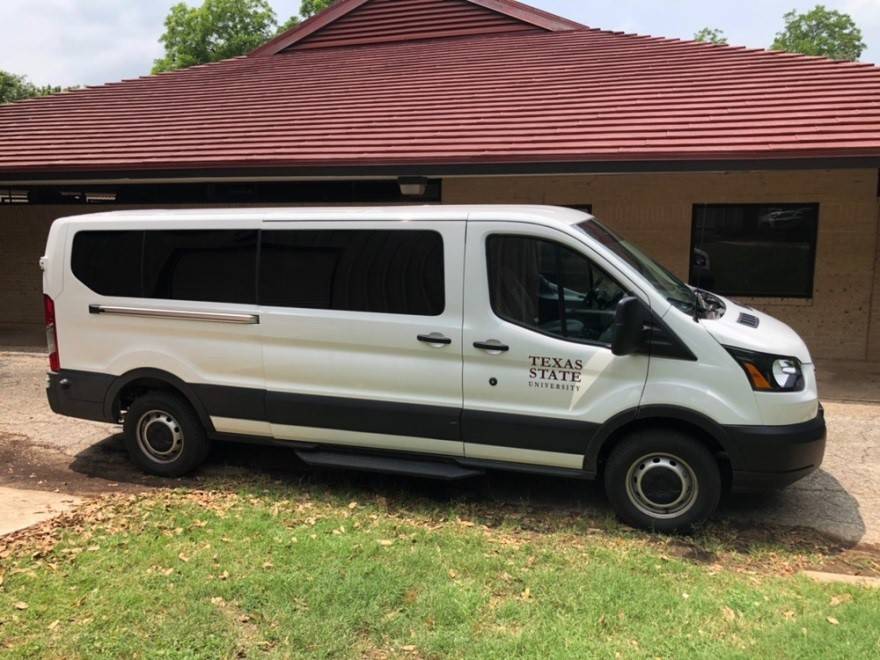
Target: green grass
(287, 571)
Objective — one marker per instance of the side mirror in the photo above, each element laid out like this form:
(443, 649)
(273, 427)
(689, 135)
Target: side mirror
(629, 321)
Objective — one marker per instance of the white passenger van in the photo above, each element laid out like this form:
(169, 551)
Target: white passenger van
(440, 341)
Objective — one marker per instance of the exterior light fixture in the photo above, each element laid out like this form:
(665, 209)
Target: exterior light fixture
(413, 186)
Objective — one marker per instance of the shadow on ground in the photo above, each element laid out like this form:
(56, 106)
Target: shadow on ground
(745, 523)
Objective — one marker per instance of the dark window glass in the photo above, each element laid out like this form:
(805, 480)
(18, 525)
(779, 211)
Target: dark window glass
(755, 249)
(108, 262)
(389, 271)
(206, 266)
(546, 286)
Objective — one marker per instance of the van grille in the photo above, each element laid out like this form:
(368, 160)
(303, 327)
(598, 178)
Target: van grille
(748, 319)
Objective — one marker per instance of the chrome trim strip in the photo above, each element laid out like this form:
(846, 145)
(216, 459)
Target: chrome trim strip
(176, 314)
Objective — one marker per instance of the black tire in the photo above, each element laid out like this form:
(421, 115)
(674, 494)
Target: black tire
(163, 435)
(662, 480)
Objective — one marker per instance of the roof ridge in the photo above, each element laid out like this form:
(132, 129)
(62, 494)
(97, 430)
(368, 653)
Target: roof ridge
(511, 9)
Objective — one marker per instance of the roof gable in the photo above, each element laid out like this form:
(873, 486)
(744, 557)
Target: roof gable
(363, 22)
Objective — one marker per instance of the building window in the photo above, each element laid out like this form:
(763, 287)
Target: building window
(545, 286)
(760, 250)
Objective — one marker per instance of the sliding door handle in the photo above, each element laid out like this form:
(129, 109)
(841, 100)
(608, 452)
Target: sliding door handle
(492, 345)
(435, 339)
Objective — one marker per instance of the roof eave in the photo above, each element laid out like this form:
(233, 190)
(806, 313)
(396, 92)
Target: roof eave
(154, 172)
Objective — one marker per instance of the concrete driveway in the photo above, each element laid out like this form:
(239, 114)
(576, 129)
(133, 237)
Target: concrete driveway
(43, 451)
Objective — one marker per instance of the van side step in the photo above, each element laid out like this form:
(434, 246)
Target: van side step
(389, 465)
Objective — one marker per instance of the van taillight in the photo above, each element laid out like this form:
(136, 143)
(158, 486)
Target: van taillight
(51, 334)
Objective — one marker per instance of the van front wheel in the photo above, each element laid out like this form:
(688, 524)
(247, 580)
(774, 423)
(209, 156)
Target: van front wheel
(662, 480)
(163, 435)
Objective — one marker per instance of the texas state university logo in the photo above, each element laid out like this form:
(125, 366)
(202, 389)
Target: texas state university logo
(554, 373)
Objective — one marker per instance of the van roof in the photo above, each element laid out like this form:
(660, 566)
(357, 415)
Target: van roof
(549, 215)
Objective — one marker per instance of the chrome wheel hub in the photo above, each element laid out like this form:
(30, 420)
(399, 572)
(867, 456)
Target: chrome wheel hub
(159, 436)
(661, 485)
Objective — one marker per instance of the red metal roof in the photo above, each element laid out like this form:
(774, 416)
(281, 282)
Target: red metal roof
(535, 96)
(359, 22)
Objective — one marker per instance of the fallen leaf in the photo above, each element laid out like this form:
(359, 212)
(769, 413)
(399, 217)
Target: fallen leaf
(182, 557)
(224, 575)
(217, 600)
(452, 574)
(268, 564)
(21, 605)
(409, 648)
(841, 599)
(54, 624)
(385, 542)
(833, 621)
(352, 505)
(788, 615)
(729, 614)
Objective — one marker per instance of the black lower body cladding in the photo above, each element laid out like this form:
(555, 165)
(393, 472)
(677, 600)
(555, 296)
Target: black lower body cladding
(761, 457)
(79, 394)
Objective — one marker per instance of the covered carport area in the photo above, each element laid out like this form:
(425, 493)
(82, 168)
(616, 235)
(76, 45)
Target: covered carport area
(27, 210)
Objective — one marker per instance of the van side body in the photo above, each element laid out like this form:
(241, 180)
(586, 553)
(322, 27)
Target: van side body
(439, 340)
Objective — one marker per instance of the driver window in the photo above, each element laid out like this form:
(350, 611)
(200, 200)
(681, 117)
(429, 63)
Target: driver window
(548, 287)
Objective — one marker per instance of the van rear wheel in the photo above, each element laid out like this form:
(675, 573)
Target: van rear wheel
(163, 435)
(663, 480)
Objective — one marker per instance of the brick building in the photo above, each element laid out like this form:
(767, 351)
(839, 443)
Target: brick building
(753, 173)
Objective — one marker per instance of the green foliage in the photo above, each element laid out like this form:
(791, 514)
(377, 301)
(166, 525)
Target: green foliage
(216, 30)
(711, 35)
(307, 9)
(821, 31)
(16, 88)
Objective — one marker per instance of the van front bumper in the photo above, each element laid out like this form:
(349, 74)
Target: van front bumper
(767, 457)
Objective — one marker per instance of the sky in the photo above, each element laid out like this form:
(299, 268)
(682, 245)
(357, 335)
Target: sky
(89, 42)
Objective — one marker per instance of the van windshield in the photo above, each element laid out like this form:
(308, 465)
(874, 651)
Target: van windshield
(673, 289)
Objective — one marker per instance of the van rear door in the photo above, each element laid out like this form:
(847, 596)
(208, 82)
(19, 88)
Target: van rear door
(361, 326)
(539, 374)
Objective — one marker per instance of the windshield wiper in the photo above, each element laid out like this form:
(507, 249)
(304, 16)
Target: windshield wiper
(701, 309)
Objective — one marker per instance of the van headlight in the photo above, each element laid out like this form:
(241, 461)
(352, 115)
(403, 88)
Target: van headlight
(769, 373)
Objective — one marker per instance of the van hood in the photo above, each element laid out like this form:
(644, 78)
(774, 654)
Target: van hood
(737, 328)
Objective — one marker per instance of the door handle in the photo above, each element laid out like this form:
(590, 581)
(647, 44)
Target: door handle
(435, 338)
(492, 345)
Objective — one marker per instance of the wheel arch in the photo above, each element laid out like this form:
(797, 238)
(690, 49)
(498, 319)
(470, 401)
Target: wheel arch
(699, 426)
(131, 383)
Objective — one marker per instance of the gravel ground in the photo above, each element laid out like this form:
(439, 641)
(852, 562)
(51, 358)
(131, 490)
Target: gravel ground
(47, 452)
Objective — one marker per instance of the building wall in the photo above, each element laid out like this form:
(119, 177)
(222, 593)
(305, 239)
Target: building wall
(841, 321)
(23, 232)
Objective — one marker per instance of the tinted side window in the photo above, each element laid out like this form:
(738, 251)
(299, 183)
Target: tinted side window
(206, 266)
(548, 287)
(755, 249)
(386, 271)
(109, 262)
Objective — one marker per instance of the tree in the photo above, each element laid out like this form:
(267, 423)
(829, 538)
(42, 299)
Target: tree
(821, 31)
(711, 35)
(216, 30)
(16, 88)
(307, 9)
